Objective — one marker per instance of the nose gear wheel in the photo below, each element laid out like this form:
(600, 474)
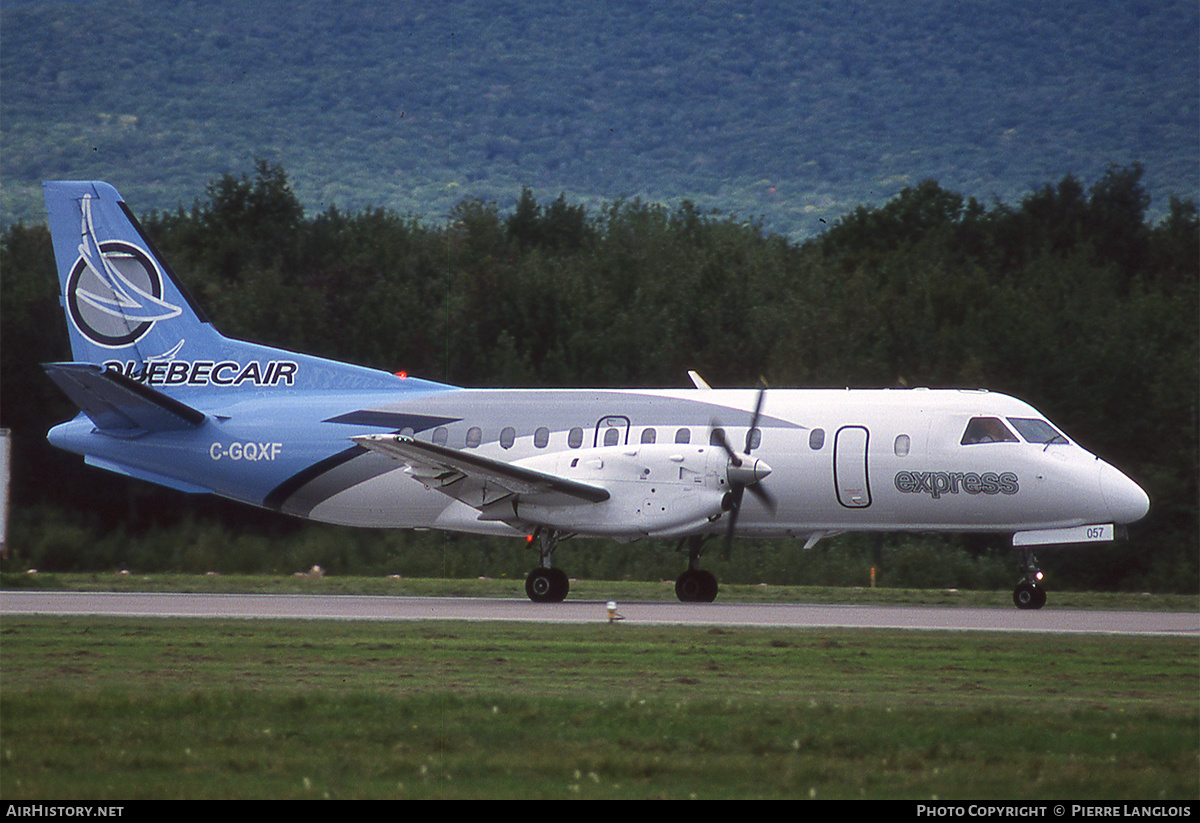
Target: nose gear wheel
(1029, 593)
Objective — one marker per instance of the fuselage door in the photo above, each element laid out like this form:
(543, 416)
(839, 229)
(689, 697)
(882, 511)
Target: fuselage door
(611, 431)
(850, 475)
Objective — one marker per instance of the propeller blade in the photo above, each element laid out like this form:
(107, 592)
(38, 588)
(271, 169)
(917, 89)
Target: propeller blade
(763, 496)
(719, 434)
(734, 507)
(737, 487)
(758, 404)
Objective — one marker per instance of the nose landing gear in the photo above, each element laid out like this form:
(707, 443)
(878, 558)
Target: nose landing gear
(1029, 593)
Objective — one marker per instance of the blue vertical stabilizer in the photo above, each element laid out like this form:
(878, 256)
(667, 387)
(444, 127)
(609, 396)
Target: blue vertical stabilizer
(127, 311)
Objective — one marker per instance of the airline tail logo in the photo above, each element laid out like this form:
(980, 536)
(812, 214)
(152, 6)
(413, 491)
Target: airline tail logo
(115, 289)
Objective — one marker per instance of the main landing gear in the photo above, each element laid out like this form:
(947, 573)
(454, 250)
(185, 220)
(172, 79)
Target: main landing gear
(546, 584)
(1029, 593)
(696, 585)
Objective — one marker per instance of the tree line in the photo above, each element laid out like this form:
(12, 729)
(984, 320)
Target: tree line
(1070, 299)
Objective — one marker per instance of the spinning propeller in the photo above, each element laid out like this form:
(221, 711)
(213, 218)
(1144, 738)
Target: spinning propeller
(744, 472)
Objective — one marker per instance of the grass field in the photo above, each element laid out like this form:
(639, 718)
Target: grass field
(159, 708)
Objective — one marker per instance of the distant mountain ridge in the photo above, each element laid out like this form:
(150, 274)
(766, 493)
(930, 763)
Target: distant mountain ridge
(792, 113)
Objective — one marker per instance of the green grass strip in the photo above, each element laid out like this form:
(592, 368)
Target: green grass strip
(129, 708)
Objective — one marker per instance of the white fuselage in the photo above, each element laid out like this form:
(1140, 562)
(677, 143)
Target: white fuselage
(839, 460)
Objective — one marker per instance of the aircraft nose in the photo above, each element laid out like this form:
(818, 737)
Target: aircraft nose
(1127, 501)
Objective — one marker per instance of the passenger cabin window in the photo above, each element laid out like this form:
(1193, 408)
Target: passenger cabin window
(816, 439)
(649, 436)
(508, 436)
(987, 430)
(755, 438)
(541, 437)
(683, 436)
(612, 437)
(1037, 431)
(575, 438)
(440, 435)
(903, 444)
(474, 437)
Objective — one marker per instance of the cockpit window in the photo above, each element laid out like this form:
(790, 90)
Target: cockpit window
(987, 430)
(1038, 431)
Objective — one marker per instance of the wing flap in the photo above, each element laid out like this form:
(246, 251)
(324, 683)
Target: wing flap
(118, 404)
(479, 481)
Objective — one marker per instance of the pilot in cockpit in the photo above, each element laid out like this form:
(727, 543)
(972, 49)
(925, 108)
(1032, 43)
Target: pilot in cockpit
(987, 430)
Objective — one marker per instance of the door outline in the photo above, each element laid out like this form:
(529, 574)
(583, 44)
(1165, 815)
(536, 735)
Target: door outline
(612, 421)
(851, 478)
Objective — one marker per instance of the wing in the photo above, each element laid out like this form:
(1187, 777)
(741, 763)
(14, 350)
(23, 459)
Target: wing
(478, 481)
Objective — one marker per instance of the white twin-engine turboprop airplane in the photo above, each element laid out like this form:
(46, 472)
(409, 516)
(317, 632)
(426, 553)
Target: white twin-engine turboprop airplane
(167, 399)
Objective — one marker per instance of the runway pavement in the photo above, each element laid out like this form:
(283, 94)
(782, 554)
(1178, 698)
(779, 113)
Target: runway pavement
(353, 607)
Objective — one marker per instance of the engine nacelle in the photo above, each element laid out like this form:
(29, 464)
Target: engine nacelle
(656, 489)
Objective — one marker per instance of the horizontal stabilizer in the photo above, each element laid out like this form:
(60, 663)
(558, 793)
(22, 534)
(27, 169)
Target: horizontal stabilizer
(476, 480)
(118, 404)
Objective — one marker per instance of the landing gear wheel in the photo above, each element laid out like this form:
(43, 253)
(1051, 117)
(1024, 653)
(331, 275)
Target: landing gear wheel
(547, 585)
(696, 586)
(1029, 596)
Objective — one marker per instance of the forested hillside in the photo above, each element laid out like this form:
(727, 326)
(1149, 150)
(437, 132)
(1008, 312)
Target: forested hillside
(788, 112)
(1070, 298)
